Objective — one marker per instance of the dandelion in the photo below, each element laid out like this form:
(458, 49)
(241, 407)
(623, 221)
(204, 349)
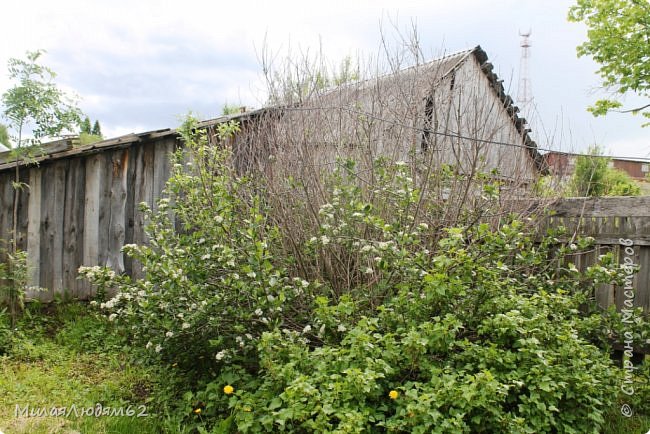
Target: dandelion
(197, 411)
(228, 389)
(393, 394)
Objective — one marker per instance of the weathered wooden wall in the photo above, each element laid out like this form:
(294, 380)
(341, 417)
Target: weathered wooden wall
(81, 208)
(610, 221)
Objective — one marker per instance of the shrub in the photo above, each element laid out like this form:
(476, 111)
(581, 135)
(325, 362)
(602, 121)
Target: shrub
(212, 287)
(479, 327)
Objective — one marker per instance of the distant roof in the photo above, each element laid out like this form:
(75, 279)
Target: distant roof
(572, 154)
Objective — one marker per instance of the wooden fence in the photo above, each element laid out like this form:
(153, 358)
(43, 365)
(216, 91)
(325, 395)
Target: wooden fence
(82, 206)
(618, 224)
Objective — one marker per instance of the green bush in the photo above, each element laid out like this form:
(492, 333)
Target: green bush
(594, 177)
(483, 327)
(212, 287)
(5, 332)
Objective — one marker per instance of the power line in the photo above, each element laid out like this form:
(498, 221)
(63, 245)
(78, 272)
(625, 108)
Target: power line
(456, 135)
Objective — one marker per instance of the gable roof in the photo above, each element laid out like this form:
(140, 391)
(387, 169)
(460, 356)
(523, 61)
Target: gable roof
(435, 70)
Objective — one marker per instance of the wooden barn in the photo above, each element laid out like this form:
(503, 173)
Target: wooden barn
(82, 204)
(453, 111)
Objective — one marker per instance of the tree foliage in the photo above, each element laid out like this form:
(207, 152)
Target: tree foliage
(619, 41)
(35, 103)
(593, 177)
(85, 126)
(97, 129)
(4, 137)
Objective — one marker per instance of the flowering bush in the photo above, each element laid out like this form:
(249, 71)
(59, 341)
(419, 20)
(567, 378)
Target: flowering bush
(211, 284)
(472, 328)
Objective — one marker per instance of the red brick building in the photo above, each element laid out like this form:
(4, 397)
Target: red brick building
(562, 164)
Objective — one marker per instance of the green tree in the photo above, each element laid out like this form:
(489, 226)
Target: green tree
(229, 109)
(619, 41)
(85, 125)
(4, 136)
(33, 105)
(593, 177)
(97, 129)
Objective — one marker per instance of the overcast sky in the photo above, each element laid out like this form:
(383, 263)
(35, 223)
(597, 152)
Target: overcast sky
(139, 65)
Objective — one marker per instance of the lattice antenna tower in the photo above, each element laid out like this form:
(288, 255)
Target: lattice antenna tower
(524, 93)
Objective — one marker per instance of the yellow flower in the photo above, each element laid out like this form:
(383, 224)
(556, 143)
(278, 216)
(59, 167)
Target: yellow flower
(197, 410)
(228, 389)
(393, 394)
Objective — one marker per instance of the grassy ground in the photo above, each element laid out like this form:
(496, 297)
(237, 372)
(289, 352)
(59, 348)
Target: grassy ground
(66, 356)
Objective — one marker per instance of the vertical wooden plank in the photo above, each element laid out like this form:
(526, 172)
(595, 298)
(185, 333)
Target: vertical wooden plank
(105, 206)
(74, 226)
(93, 180)
(34, 230)
(117, 208)
(130, 205)
(143, 189)
(53, 189)
(6, 204)
(642, 292)
(161, 170)
(23, 211)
